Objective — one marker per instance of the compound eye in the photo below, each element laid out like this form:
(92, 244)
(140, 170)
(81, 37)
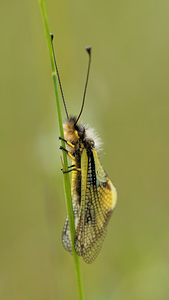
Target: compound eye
(81, 131)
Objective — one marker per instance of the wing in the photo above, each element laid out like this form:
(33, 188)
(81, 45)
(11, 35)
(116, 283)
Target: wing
(76, 195)
(98, 199)
(66, 237)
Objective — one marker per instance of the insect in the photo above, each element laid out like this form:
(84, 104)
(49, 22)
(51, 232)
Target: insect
(93, 194)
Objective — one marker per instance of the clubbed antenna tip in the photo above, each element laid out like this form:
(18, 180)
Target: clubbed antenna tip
(88, 49)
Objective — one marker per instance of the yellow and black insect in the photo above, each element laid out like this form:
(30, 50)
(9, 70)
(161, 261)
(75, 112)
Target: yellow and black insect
(93, 194)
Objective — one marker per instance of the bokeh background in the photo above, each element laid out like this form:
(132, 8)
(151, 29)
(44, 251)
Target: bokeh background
(127, 103)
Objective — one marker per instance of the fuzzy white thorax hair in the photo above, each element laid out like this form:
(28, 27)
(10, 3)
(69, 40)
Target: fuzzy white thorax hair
(91, 134)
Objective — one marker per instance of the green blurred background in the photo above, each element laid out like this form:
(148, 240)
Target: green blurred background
(127, 103)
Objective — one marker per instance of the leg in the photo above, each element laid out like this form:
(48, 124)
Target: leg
(64, 172)
(67, 142)
(67, 152)
(69, 167)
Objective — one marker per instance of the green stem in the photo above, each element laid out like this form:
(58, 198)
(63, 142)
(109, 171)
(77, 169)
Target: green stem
(66, 177)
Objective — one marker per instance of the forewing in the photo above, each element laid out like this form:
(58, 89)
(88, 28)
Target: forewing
(98, 199)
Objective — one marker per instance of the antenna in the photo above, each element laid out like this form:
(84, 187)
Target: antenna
(58, 76)
(88, 49)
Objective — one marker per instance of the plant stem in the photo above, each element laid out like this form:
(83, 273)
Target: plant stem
(66, 176)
